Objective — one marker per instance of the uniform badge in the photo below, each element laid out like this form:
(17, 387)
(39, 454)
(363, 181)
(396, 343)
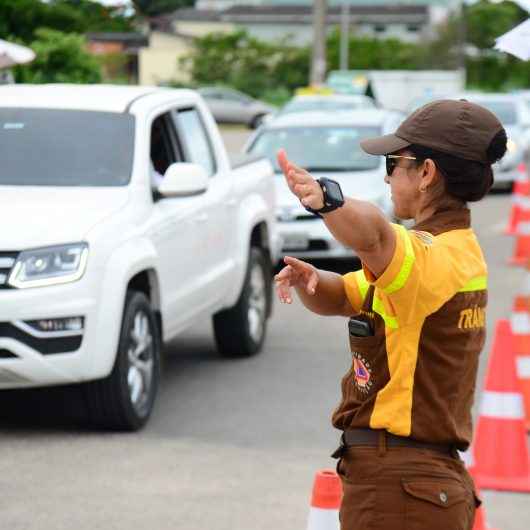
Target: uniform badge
(362, 373)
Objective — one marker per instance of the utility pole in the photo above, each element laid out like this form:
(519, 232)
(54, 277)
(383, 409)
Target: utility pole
(344, 34)
(462, 37)
(318, 63)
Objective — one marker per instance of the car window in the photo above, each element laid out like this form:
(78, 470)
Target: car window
(319, 148)
(236, 97)
(194, 138)
(162, 151)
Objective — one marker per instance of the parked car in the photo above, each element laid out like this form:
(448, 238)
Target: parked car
(100, 266)
(330, 102)
(231, 106)
(326, 144)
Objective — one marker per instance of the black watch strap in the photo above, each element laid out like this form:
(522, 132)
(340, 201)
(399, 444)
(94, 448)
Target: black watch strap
(333, 197)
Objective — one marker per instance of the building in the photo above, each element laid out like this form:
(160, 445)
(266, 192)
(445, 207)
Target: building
(290, 21)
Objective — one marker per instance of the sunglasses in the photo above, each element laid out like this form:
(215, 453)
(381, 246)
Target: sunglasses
(392, 160)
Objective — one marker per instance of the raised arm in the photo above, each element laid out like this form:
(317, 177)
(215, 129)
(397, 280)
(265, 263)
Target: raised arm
(358, 224)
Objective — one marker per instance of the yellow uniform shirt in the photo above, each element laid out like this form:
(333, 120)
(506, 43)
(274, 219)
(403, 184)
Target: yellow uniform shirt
(416, 375)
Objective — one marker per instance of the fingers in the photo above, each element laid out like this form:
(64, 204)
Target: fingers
(284, 292)
(282, 161)
(312, 284)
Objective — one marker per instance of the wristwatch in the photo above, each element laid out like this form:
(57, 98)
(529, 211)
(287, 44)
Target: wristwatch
(333, 197)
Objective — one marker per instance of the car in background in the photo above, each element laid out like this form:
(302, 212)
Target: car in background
(231, 106)
(319, 102)
(327, 144)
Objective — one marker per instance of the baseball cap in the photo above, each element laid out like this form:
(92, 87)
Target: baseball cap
(455, 127)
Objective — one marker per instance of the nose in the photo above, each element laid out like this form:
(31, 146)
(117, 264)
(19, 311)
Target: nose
(386, 179)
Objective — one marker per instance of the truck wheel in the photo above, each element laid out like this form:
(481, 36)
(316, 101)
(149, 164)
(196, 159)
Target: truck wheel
(124, 399)
(240, 330)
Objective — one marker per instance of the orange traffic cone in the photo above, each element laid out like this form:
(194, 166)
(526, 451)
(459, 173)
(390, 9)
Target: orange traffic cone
(521, 254)
(325, 501)
(520, 322)
(500, 450)
(480, 518)
(520, 201)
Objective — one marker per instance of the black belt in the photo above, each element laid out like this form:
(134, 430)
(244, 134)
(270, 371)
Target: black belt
(375, 438)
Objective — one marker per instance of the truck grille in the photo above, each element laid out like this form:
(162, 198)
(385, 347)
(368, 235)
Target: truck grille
(7, 260)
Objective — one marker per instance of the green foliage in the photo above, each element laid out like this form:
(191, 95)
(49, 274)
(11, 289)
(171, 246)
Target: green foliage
(152, 8)
(61, 58)
(247, 64)
(21, 18)
(486, 21)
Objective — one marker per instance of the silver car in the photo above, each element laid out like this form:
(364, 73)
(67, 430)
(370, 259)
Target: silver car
(326, 144)
(231, 106)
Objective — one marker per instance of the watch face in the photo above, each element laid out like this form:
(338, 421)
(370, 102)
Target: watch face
(333, 191)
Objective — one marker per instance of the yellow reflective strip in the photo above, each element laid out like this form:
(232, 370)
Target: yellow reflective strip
(362, 283)
(480, 283)
(404, 273)
(379, 308)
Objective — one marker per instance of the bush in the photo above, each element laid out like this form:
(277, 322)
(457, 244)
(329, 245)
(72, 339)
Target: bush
(61, 58)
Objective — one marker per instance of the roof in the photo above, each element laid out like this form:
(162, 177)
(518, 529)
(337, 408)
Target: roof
(299, 14)
(127, 38)
(103, 98)
(369, 118)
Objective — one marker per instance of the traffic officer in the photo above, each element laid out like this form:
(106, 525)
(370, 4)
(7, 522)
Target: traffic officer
(417, 318)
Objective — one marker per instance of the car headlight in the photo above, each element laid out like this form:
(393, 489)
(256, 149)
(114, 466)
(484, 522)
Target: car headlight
(49, 266)
(511, 146)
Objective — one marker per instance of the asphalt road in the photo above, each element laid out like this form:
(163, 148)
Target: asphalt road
(232, 444)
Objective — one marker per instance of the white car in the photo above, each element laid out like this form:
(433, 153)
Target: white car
(99, 265)
(331, 102)
(327, 144)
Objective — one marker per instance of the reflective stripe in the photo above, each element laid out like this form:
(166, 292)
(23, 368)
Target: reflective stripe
(379, 308)
(362, 283)
(523, 367)
(404, 273)
(520, 322)
(504, 405)
(480, 283)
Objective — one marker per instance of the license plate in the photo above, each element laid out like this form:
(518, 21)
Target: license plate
(295, 241)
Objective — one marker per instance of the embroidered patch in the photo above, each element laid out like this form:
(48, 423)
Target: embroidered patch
(362, 373)
(424, 237)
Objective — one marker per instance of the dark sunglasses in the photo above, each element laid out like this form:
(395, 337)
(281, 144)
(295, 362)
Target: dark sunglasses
(392, 160)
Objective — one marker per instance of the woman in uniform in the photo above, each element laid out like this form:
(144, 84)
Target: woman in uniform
(417, 318)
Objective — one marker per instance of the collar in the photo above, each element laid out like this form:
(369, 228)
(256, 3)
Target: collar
(445, 220)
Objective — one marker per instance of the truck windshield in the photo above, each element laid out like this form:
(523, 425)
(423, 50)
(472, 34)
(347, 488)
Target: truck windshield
(46, 147)
(319, 148)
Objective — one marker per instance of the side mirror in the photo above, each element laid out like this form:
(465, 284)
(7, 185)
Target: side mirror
(183, 179)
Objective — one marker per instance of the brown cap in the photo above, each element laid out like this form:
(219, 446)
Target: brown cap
(459, 128)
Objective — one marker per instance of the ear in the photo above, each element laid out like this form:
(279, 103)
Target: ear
(429, 175)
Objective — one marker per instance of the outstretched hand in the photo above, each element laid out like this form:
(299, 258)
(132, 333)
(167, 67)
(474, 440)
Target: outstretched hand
(297, 273)
(301, 183)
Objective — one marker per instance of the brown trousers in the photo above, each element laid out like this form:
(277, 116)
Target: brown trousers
(402, 488)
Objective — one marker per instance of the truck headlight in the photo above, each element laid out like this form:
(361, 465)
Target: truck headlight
(49, 266)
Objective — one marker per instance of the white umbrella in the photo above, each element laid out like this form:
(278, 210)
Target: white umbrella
(11, 54)
(516, 41)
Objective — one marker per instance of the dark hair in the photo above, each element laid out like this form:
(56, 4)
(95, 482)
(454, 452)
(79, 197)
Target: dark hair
(466, 180)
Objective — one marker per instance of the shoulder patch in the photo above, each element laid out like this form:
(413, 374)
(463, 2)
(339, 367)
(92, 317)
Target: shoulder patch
(424, 237)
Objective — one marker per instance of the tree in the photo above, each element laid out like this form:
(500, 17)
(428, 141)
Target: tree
(21, 18)
(61, 58)
(153, 8)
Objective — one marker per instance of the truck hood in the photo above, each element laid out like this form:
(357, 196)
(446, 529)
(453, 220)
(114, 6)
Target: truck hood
(364, 185)
(40, 216)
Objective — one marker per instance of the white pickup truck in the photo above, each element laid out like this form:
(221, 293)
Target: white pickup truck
(123, 224)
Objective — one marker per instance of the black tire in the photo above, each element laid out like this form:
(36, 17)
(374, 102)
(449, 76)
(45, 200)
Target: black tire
(237, 331)
(111, 401)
